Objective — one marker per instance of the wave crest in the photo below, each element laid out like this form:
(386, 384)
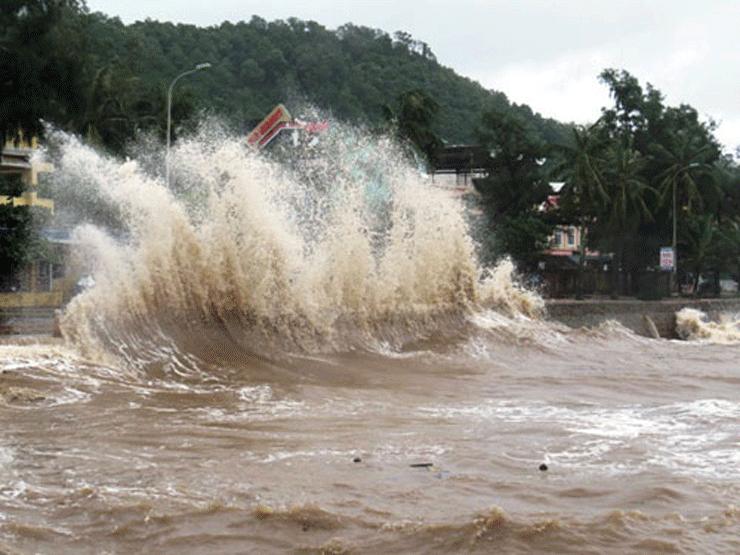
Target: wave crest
(693, 324)
(347, 247)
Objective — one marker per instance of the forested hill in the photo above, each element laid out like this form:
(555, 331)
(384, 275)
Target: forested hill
(352, 71)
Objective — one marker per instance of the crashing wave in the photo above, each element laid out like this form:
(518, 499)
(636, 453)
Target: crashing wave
(348, 246)
(693, 324)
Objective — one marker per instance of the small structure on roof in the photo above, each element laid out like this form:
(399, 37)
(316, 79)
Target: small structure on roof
(456, 166)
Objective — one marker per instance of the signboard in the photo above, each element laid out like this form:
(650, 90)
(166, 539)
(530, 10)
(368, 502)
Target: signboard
(269, 127)
(309, 126)
(276, 121)
(667, 258)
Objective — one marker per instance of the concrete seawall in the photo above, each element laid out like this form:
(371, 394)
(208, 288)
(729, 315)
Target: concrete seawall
(628, 312)
(26, 321)
(632, 313)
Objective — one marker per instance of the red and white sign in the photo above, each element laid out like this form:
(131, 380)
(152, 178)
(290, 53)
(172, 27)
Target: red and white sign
(667, 258)
(269, 127)
(276, 121)
(308, 126)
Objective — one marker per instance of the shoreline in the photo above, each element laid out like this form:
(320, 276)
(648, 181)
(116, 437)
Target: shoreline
(633, 314)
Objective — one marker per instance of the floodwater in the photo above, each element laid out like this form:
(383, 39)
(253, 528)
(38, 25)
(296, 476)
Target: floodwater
(258, 372)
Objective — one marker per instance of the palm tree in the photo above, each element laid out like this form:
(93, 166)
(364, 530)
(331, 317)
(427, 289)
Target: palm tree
(582, 170)
(584, 193)
(685, 163)
(702, 233)
(627, 192)
(116, 107)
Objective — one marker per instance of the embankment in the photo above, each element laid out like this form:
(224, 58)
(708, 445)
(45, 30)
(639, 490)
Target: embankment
(592, 312)
(634, 314)
(27, 321)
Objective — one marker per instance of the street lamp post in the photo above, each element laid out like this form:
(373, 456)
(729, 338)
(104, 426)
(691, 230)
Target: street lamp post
(198, 67)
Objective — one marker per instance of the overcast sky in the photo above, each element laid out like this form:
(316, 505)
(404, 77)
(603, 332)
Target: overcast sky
(543, 53)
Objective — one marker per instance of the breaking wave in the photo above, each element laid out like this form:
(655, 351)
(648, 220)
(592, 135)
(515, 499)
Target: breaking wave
(343, 245)
(496, 530)
(693, 324)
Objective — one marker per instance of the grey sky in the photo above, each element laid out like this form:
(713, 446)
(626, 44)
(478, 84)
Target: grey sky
(543, 53)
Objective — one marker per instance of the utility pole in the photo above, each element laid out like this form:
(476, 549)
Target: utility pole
(199, 67)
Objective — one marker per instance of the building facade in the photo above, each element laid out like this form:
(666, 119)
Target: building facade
(41, 283)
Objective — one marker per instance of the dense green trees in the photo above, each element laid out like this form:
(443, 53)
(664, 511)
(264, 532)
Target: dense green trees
(351, 72)
(41, 76)
(40, 69)
(414, 120)
(622, 177)
(92, 74)
(515, 188)
(626, 172)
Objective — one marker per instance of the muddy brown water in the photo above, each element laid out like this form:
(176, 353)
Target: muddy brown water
(316, 454)
(311, 359)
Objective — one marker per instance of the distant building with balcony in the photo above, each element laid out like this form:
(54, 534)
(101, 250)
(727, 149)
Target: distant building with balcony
(566, 239)
(561, 260)
(42, 283)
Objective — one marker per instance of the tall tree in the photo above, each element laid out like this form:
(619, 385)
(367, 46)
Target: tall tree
(40, 64)
(515, 187)
(628, 204)
(584, 196)
(414, 120)
(677, 153)
(687, 172)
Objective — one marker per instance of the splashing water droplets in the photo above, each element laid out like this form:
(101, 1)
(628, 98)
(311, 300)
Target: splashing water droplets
(345, 245)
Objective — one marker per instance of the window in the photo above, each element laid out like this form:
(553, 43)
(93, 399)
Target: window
(558, 241)
(43, 276)
(571, 236)
(57, 271)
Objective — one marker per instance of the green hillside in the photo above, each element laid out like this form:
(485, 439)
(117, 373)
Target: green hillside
(352, 72)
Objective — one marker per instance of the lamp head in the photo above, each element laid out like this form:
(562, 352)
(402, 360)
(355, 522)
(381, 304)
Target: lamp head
(204, 65)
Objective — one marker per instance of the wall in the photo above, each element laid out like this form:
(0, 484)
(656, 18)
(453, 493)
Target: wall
(631, 313)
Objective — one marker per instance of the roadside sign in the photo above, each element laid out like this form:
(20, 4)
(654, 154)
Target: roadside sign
(277, 120)
(667, 258)
(269, 127)
(309, 126)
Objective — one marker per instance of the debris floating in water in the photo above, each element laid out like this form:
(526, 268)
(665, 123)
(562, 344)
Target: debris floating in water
(422, 465)
(543, 467)
(357, 460)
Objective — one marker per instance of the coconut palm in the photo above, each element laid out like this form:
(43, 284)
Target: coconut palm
(628, 193)
(584, 195)
(687, 178)
(581, 168)
(687, 171)
(701, 232)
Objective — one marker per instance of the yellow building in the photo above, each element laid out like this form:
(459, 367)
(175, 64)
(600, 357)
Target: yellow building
(17, 157)
(40, 284)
